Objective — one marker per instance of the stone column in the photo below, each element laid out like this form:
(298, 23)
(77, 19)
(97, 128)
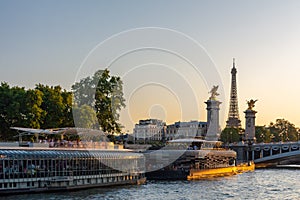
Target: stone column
(250, 125)
(213, 127)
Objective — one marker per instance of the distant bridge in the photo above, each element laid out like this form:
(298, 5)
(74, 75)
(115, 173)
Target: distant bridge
(266, 154)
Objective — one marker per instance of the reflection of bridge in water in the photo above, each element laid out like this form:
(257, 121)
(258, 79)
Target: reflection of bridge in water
(269, 154)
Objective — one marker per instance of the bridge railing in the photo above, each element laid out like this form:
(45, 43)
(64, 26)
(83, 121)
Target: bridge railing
(260, 150)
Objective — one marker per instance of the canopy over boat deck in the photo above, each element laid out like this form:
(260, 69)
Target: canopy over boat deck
(84, 138)
(194, 143)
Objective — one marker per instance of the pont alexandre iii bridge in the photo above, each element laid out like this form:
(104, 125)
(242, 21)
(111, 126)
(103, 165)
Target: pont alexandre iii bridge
(268, 154)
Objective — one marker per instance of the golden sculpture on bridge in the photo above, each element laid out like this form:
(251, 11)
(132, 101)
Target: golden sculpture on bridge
(251, 104)
(214, 93)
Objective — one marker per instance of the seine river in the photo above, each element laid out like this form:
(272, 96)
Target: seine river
(261, 184)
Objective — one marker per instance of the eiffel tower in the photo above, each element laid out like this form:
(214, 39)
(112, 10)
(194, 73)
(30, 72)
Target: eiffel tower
(233, 115)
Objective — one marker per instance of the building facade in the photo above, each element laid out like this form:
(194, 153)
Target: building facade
(186, 130)
(157, 130)
(149, 130)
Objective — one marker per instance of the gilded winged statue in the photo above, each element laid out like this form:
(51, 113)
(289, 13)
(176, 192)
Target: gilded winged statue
(213, 92)
(251, 104)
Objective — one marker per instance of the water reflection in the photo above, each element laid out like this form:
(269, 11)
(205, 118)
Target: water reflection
(260, 184)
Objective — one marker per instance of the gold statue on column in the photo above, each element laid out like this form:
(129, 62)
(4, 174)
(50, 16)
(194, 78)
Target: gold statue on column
(251, 104)
(214, 93)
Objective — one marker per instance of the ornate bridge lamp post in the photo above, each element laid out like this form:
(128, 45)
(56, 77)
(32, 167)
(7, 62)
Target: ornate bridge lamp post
(281, 136)
(286, 134)
(262, 137)
(272, 137)
(241, 135)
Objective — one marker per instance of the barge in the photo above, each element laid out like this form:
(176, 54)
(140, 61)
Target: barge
(27, 170)
(192, 159)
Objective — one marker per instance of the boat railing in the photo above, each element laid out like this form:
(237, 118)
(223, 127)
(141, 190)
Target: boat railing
(65, 144)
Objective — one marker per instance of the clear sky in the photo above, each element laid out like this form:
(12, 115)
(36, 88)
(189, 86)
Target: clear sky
(47, 42)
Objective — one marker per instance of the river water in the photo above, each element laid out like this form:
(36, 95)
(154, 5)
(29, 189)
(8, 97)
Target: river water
(260, 184)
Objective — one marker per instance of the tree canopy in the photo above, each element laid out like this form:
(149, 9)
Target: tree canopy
(104, 93)
(57, 104)
(280, 131)
(97, 102)
(283, 130)
(230, 135)
(85, 117)
(262, 134)
(42, 107)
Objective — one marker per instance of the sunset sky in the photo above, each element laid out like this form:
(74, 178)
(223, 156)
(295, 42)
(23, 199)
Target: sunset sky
(168, 53)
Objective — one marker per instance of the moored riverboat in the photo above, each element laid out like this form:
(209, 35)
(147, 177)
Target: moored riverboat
(191, 159)
(24, 170)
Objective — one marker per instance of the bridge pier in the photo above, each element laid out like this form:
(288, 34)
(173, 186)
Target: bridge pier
(250, 125)
(242, 151)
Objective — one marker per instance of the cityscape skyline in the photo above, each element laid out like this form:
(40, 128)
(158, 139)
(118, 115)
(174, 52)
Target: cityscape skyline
(45, 42)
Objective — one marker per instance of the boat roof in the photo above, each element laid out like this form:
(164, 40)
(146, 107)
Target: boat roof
(65, 153)
(190, 140)
(54, 131)
(33, 131)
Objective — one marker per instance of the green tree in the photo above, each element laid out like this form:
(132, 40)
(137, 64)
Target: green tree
(230, 135)
(53, 105)
(42, 107)
(67, 109)
(84, 91)
(283, 130)
(34, 113)
(105, 93)
(85, 117)
(13, 110)
(7, 111)
(262, 134)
